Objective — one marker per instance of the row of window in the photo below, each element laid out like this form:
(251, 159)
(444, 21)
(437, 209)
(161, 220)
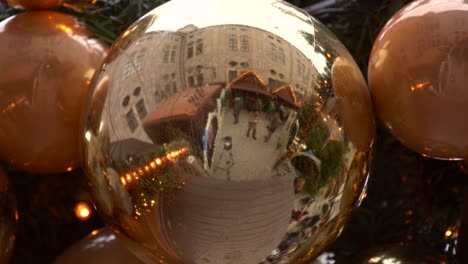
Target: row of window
(126, 99)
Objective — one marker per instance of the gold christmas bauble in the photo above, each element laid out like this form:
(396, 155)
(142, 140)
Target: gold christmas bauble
(227, 132)
(101, 246)
(34, 4)
(47, 61)
(417, 76)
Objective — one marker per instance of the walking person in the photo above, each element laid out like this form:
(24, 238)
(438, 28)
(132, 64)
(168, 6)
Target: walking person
(270, 108)
(275, 123)
(253, 121)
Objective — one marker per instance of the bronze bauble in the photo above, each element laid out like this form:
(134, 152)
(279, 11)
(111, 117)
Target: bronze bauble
(417, 76)
(47, 61)
(214, 134)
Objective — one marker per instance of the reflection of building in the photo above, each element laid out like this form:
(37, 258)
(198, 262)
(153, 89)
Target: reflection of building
(160, 64)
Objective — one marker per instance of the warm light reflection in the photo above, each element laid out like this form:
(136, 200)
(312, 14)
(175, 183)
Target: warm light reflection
(375, 259)
(65, 28)
(125, 34)
(94, 232)
(419, 86)
(448, 233)
(69, 169)
(128, 177)
(82, 211)
(88, 136)
(14, 104)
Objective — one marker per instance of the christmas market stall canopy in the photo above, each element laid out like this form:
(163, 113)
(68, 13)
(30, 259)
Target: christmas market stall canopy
(286, 94)
(182, 111)
(249, 81)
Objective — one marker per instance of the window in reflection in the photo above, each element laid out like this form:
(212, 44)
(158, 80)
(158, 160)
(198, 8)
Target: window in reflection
(173, 53)
(141, 109)
(232, 43)
(139, 61)
(166, 56)
(131, 120)
(128, 68)
(200, 79)
(126, 101)
(137, 91)
(232, 75)
(281, 55)
(273, 52)
(244, 43)
(199, 49)
(191, 81)
(190, 50)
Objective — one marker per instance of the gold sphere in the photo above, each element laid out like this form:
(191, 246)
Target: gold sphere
(417, 77)
(227, 132)
(48, 60)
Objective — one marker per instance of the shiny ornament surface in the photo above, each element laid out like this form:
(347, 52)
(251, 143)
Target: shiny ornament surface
(8, 217)
(227, 132)
(400, 254)
(47, 62)
(101, 246)
(35, 4)
(417, 77)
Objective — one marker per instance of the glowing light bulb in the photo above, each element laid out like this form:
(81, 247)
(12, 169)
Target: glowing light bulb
(83, 211)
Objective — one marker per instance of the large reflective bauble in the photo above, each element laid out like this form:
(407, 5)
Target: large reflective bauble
(228, 132)
(417, 76)
(47, 60)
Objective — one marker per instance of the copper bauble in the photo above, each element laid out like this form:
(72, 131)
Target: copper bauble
(417, 76)
(47, 61)
(34, 4)
(8, 217)
(101, 246)
(215, 134)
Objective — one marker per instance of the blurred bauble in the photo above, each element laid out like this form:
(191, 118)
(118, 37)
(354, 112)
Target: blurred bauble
(417, 76)
(404, 254)
(34, 4)
(101, 246)
(47, 61)
(215, 134)
(8, 217)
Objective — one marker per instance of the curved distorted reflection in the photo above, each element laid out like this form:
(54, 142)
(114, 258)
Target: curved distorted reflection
(221, 139)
